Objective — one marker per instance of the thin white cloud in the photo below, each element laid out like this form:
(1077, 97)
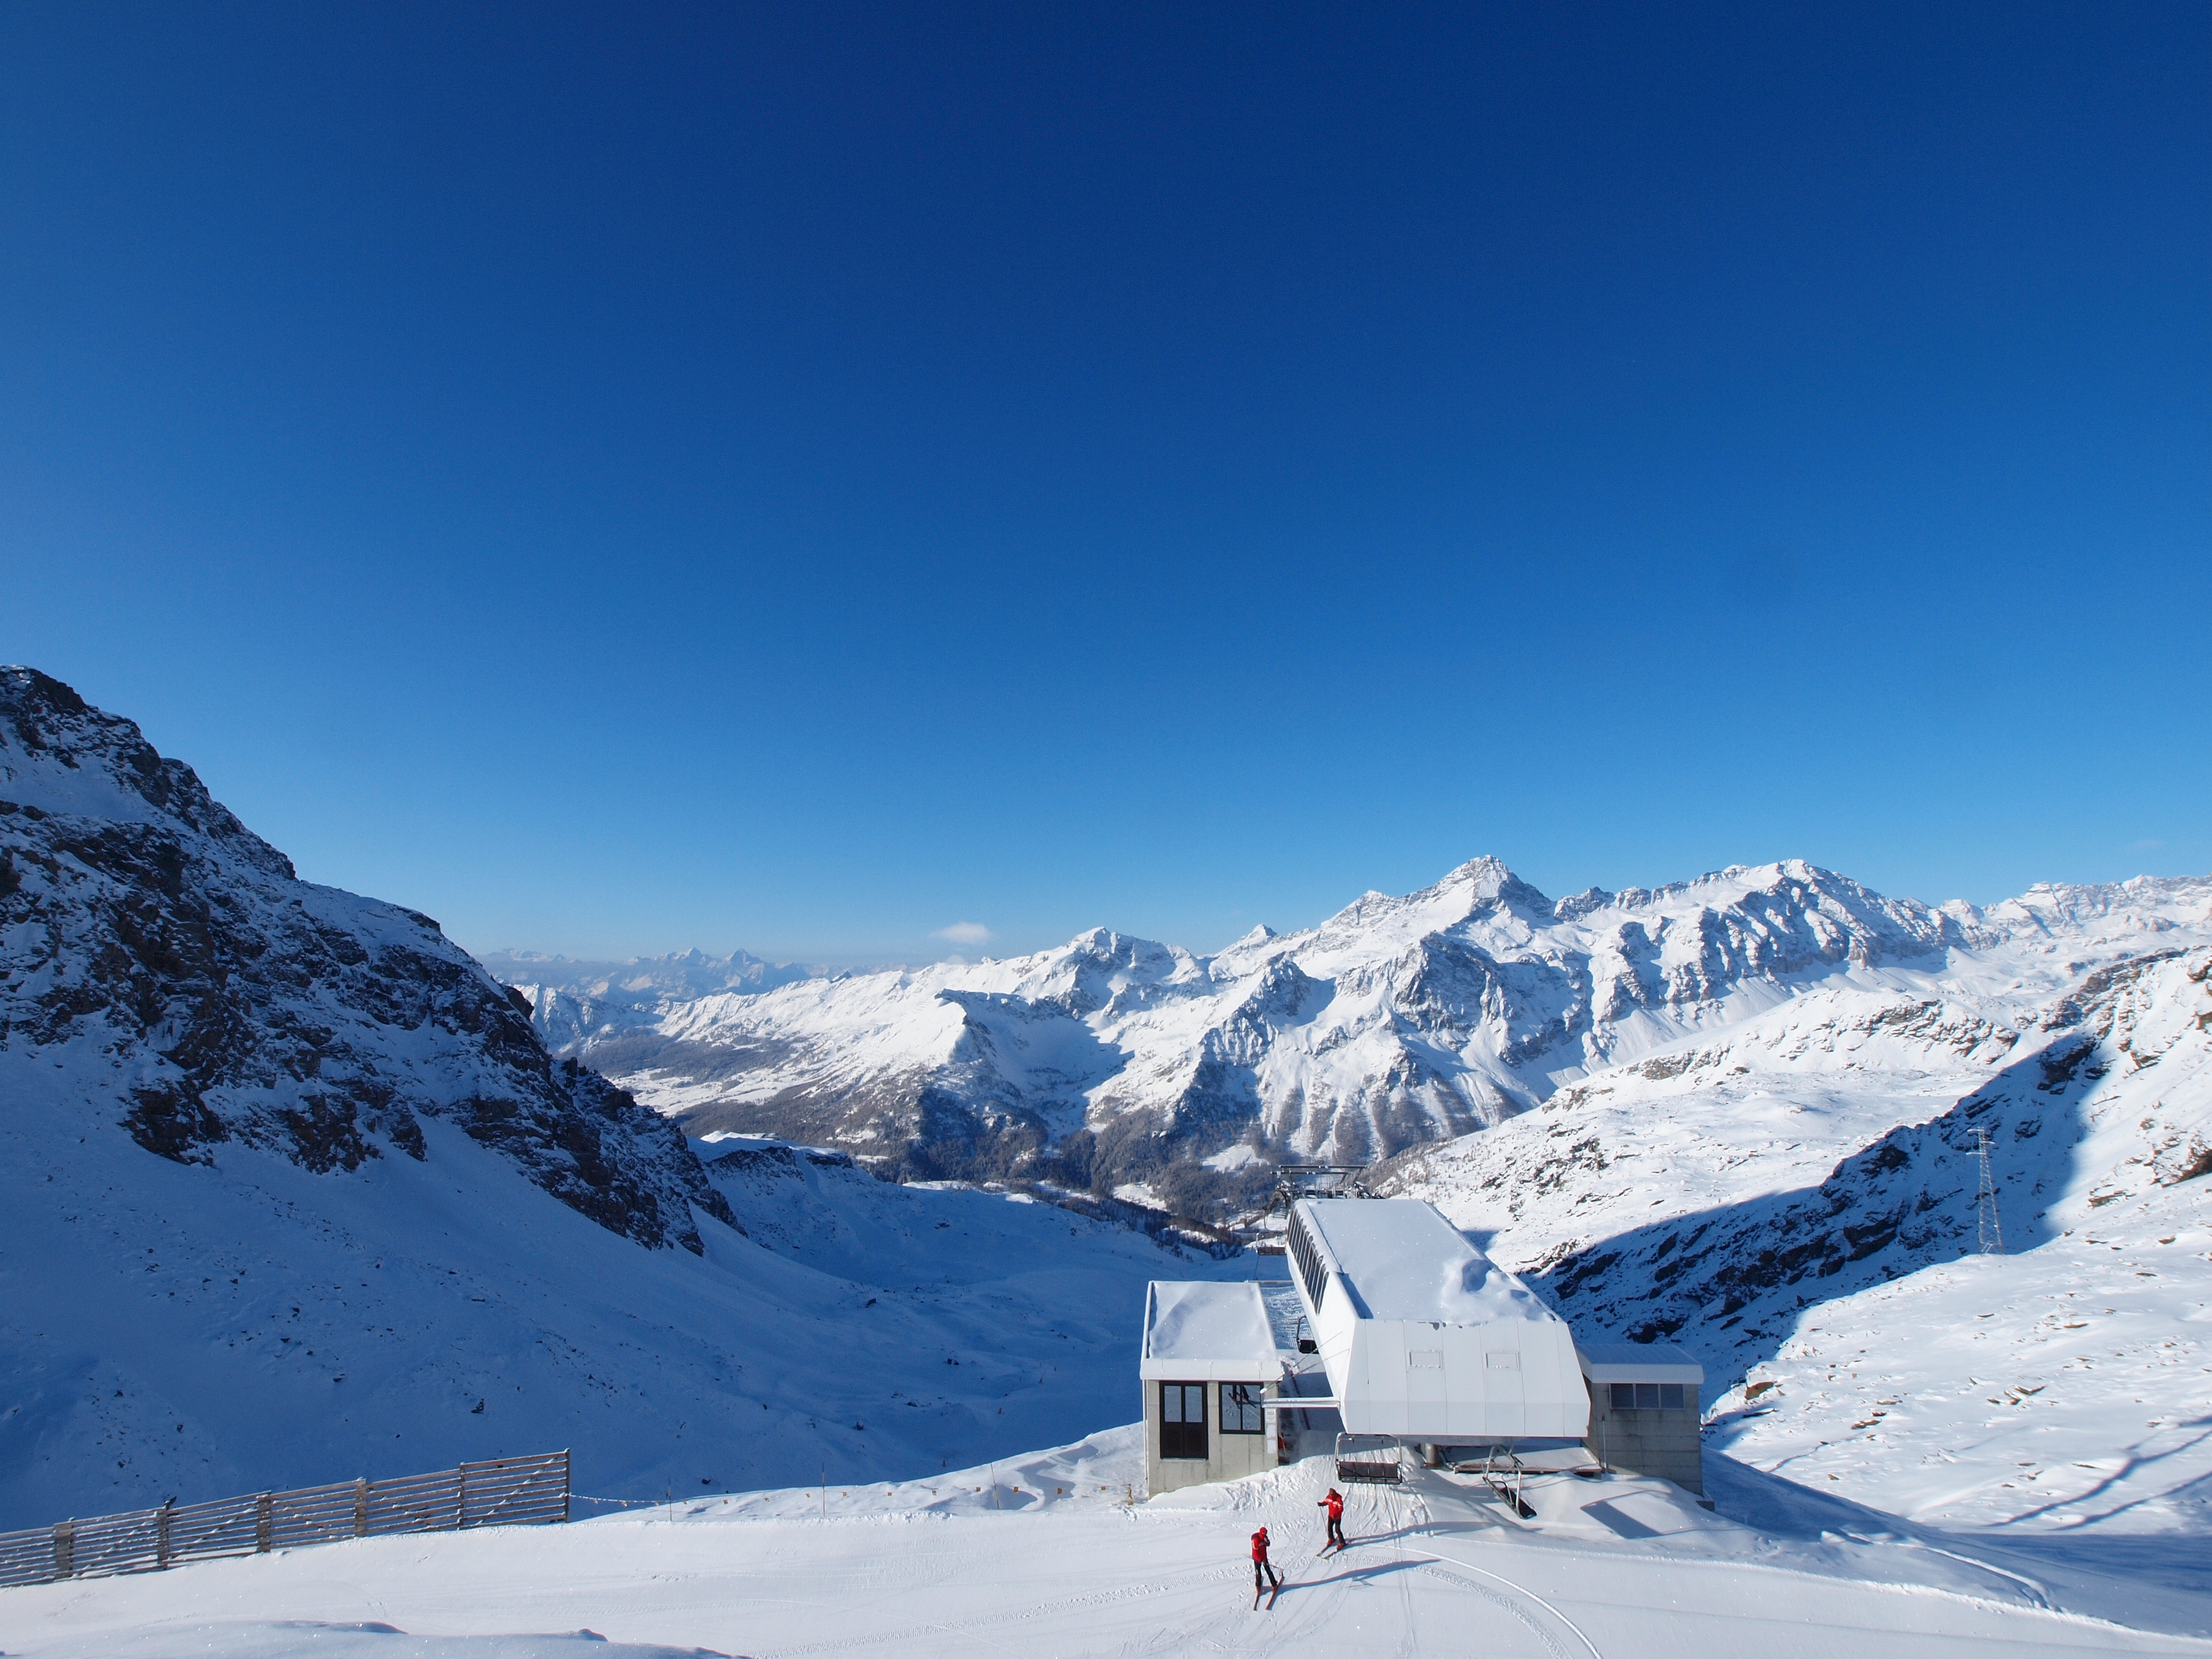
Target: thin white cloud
(965, 933)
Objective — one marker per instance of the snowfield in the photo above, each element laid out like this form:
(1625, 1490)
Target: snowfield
(1043, 1556)
(167, 1329)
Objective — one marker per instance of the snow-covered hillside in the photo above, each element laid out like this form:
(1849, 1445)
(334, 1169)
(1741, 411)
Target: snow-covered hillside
(1113, 1063)
(293, 1194)
(1042, 1556)
(1797, 1203)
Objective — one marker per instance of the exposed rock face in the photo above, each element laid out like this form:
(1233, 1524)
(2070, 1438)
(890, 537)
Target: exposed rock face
(1113, 1062)
(147, 933)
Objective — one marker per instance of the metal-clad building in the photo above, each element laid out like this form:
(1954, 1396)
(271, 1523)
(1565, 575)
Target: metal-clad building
(1423, 1337)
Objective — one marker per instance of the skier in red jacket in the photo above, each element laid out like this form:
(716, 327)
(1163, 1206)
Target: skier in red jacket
(1335, 1504)
(1262, 1565)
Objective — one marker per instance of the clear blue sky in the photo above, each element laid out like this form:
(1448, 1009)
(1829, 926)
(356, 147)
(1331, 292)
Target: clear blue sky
(799, 477)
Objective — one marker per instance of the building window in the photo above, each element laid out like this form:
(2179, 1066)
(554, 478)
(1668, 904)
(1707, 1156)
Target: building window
(1240, 1407)
(1649, 1396)
(1183, 1420)
(1308, 1260)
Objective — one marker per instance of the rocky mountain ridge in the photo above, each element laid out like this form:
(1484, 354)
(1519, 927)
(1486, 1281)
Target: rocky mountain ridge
(148, 939)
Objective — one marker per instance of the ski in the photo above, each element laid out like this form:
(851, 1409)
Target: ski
(1272, 1594)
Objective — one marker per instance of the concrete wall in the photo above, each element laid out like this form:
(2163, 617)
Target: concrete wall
(1651, 1441)
(1228, 1456)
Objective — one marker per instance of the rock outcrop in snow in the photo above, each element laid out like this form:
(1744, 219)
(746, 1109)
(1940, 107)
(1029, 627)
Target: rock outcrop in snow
(171, 959)
(1111, 1062)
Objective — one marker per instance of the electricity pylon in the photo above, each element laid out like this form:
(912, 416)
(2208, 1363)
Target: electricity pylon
(1985, 1200)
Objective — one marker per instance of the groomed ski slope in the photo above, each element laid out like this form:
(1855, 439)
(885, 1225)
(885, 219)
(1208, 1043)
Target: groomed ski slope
(1043, 1556)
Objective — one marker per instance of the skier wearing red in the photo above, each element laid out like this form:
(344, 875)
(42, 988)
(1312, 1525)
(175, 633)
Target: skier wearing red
(1262, 1565)
(1335, 1504)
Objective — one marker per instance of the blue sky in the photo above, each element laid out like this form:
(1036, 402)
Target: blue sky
(631, 477)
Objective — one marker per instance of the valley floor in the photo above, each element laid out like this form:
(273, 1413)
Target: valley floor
(1044, 1555)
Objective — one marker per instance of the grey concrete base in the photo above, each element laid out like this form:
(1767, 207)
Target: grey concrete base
(1664, 1444)
(1228, 1456)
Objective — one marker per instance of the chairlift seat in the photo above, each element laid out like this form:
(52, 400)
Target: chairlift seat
(1373, 1475)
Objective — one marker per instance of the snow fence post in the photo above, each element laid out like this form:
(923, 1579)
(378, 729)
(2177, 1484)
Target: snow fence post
(161, 1532)
(64, 1549)
(360, 1506)
(263, 1521)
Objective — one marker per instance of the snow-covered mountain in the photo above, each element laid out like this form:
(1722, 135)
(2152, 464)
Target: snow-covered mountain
(1113, 1063)
(593, 999)
(162, 956)
(294, 1194)
(1798, 1201)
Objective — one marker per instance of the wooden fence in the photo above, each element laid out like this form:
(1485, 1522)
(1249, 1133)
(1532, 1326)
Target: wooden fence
(506, 1492)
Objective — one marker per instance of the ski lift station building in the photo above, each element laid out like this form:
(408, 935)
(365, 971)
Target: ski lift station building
(1421, 1339)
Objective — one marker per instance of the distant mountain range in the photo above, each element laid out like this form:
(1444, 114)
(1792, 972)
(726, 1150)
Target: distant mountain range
(641, 981)
(1116, 1065)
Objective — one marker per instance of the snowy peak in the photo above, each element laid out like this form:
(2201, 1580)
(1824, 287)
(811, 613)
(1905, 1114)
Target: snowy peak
(163, 966)
(1113, 1063)
(2151, 903)
(1839, 918)
(642, 980)
(60, 755)
(1481, 896)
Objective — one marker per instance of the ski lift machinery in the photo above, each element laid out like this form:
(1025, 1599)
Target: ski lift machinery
(1427, 1340)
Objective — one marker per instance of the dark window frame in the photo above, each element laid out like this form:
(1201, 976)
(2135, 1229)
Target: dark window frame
(1251, 1395)
(1181, 1438)
(1648, 1396)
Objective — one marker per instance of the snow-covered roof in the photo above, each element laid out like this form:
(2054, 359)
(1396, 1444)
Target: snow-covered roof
(1638, 1362)
(1402, 1261)
(1202, 1332)
(1286, 1314)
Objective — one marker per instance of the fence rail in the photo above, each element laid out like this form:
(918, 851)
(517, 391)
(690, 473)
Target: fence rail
(506, 1491)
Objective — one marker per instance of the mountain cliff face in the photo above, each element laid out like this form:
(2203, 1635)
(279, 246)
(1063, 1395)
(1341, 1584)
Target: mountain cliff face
(171, 964)
(1117, 1064)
